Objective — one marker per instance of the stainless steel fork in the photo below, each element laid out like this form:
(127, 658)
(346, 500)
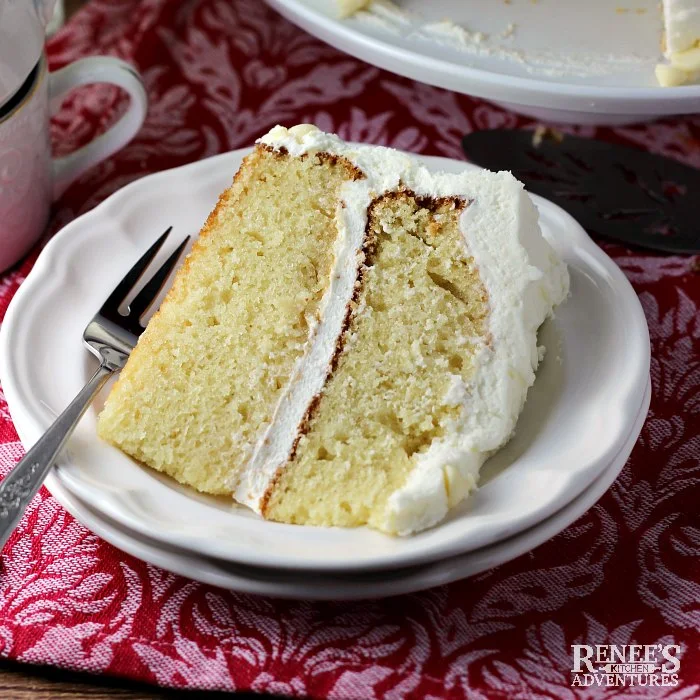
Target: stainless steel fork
(110, 336)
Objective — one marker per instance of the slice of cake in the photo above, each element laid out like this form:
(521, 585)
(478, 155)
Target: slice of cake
(350, 338)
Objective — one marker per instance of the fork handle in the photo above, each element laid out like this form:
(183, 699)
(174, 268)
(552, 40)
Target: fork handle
(19, 487)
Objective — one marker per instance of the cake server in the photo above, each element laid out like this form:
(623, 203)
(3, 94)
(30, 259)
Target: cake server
(110, 336)
(615, 191)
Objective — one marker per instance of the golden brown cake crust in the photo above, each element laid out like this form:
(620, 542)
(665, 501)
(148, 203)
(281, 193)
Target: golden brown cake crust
(331, 158)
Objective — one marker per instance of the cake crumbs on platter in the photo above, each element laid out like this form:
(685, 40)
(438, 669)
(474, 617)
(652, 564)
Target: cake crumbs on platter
(509, 31)
(450, 30)
(386, 15)
(391, 12)
(627, 10)
(545, 132)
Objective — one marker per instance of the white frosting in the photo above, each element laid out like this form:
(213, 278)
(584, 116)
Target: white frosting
(524, 280)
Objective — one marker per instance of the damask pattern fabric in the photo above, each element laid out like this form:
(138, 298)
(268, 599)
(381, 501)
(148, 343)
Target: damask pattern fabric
(219, 73)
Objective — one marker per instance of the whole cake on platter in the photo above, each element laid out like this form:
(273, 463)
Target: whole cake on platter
(680, 42)
(349, 339)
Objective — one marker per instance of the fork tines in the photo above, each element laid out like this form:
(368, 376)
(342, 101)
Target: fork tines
(143, 300)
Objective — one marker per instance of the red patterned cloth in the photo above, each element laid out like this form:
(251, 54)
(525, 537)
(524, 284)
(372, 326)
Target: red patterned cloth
(219, 73)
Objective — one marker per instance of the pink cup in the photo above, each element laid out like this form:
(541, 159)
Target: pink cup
(29, 178)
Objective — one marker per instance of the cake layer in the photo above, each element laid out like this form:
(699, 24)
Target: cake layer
(682, 25)
(209, 371)
(416, 328)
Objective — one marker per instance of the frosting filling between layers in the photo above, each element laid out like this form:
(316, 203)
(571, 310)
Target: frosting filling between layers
(523, 279)
(278, 440)
(309, 376)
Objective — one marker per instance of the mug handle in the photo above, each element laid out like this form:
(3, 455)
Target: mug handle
(97, 69)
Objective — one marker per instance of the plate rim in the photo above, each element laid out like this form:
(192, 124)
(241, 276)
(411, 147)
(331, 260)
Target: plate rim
(533, 92)
(422, 577)
(47, 259)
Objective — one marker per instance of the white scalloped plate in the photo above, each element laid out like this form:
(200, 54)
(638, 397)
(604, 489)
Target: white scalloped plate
(316, 585)
(577, 418)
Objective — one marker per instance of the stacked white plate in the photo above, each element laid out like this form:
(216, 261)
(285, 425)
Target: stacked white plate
(579, 425)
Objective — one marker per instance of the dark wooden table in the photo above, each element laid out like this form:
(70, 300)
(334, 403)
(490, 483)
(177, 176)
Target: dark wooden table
(24, 682)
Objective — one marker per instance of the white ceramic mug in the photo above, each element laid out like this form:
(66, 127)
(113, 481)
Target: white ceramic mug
(29, 178)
